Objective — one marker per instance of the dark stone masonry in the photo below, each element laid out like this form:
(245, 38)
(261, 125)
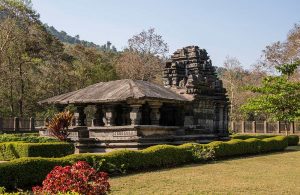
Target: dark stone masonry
(191, 107)
(190, 73)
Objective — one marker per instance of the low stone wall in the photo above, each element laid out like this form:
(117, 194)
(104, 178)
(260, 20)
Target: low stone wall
(120, 132)
(75, 132)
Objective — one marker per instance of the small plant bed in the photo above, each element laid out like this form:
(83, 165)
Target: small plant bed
(14, 150)
(13, 146)
(27, 172)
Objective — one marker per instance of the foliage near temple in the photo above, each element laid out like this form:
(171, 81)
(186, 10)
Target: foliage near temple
(80, 178)
(59, 125)
(278, 96)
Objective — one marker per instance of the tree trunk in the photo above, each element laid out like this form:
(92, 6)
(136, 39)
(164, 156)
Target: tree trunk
(11, 99)
(22, 86)
(231, 103)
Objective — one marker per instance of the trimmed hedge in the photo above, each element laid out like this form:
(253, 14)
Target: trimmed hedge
(19, 134)
(248, 136)
(13, 150)
(293, 140)
(25, 138)
(237, 147)
(26, 172)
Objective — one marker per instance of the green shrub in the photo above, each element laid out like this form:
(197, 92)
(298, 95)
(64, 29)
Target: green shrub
(20, 134)
(248, 136)
(199, 152)
(2, 190)
(26, 172)
(113, 169)
(250, 146)
(293, 140)
(164, 156)
(13, 150)
(25, 138)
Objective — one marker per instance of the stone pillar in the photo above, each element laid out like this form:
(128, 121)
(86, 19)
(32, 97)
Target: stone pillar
(109, 115)
(16, 124)
(80, 116)
(253, 126)
(98, 116)
(174, 81)
(243, 126)
(232, 126)
(225, 128)
(31, 124)
(135, 114)
(265, 127)
(155, 113)
(216, 119)
(221, 118)
(278, 127)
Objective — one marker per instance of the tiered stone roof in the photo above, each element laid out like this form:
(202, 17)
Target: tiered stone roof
(189, 72)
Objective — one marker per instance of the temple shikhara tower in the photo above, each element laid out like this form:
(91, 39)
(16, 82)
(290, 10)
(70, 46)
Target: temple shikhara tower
(190, 73)
(190, 106)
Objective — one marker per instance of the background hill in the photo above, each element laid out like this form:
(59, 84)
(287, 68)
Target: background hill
(66, 38)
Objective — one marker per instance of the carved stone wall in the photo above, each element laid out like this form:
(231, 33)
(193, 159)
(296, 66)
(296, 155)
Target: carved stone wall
(190, 73)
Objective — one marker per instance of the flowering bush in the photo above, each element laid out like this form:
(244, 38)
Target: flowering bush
(80, 178)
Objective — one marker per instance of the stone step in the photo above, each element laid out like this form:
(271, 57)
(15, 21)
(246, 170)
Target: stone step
(134, 144)
(150, 139)
(196, 131)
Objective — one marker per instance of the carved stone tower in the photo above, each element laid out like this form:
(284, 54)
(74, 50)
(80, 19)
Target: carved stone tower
(190, 73)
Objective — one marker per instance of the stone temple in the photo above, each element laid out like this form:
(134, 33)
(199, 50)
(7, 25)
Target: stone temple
(190, 106)
(190, 73)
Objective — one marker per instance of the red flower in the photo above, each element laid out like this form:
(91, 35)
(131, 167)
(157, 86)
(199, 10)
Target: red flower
(80, 177)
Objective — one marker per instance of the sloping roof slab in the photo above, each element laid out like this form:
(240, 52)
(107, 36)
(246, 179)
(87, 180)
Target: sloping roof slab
(116, 91)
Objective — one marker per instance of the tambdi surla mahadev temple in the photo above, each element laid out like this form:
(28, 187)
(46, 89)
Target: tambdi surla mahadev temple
(190, 106)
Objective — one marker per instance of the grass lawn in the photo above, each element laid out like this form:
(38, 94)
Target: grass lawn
(277, 173)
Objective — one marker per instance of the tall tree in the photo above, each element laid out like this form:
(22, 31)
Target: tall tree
(91, 65)
(132, 65)
(144, 57)
(235, 77)
(285, 52)
(278, 96)
(232, 77)
(148, 42)
(25, 51)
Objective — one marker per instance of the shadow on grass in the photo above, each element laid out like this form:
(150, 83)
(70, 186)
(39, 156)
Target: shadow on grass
(293, 148)
(221, 160)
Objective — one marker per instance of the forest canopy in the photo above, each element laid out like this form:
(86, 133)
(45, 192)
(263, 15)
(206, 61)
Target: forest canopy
(37, 61)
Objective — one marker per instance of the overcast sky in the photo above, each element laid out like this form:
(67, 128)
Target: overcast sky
(239, 28)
